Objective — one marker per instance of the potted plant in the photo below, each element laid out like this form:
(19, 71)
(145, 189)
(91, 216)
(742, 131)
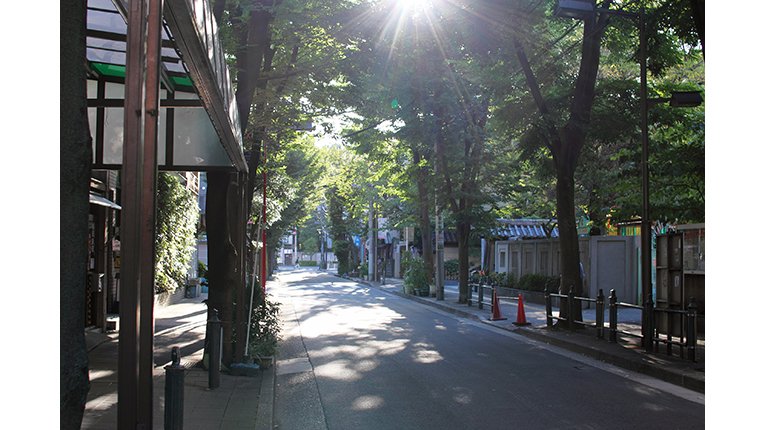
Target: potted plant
(264, 331)
(416, 276)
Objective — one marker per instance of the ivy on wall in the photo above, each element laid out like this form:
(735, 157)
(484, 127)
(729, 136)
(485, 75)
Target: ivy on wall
(177, 215)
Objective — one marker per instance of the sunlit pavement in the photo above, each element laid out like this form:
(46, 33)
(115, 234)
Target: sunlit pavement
(354, 356)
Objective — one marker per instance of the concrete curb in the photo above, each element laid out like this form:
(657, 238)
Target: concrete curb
(638, 363)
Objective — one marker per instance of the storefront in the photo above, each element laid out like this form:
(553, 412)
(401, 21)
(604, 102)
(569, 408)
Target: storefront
(160, 97)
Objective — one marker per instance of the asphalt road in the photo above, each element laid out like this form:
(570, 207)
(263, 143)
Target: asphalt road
(355, 357)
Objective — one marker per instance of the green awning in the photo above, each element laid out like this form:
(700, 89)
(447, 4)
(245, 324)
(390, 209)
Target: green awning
(199, 122)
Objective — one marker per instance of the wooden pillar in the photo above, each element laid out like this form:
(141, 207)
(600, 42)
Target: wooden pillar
(139, 175)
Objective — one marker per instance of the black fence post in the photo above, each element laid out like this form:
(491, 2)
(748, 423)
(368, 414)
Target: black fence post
(216, 339)
(691, 338)
(480, 295)
(648, 325)
(600, 313)
(548, 307)
(570, 305)
(612, 316)
(174, 386)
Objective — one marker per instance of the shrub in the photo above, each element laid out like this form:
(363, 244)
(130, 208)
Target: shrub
(202, 272)
(265, 327)
(416, 273)
(451, 267)
(309, 263)
(536, 282)
(176, 226)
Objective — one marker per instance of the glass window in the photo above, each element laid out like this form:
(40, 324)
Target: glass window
(693, 250)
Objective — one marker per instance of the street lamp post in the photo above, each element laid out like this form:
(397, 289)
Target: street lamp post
(581, 10)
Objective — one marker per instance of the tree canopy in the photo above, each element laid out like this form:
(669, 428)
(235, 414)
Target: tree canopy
(475, 110)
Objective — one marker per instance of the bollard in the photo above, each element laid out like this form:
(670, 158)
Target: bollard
(216, 344)
(174, 386)
(600, 314)
(480, 295)
(612, 316)
(493, 294)
(548, 306)
(648, 325)
(691, 339)
(570, 307)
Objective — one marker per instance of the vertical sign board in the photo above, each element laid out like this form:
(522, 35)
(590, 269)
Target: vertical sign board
(669, 282)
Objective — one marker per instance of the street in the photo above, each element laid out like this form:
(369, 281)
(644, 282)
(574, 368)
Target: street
(356, 357)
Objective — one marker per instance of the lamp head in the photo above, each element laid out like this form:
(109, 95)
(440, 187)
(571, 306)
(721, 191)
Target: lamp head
(574, 9)
(686, 99)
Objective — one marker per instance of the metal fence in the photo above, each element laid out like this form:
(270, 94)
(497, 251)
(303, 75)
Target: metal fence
(479, 288)
(686, 338)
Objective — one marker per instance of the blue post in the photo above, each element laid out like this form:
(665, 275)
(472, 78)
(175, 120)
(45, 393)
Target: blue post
(174, 386)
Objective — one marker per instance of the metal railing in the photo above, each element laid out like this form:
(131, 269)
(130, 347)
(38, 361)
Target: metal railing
(688, 330)
(570, 300)
(479, 288)
(688, 337)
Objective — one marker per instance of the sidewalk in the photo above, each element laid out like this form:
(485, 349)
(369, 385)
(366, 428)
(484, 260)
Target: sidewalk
(234, 405)
(625, 353)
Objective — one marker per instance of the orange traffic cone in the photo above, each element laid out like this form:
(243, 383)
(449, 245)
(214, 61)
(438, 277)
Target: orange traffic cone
(496, 312)
(521, 318)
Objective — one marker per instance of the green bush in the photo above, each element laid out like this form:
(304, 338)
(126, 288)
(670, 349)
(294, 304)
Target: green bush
(202, 272)
(265, 327)
(176, 228)
(498, 279)
(536, 282)
(308, 263)
(416, 273)
(451, 267)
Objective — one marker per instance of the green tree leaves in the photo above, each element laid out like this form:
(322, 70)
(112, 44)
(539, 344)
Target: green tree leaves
(177, 215)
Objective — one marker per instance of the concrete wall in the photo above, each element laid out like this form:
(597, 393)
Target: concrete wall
(610, 262)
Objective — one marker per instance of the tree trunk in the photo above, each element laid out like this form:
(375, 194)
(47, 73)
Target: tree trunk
(221, 204)
(566, 145)
(569, 242)
(74, 188)
(222, 256)
(463, 237)
(424, 219)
